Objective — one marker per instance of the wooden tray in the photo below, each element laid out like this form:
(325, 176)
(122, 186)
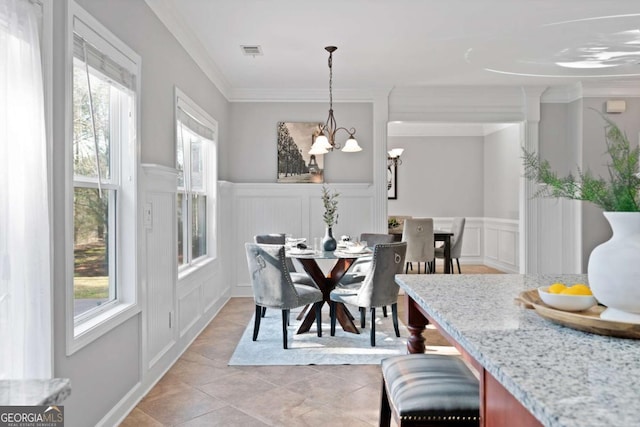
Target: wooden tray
(588, 320)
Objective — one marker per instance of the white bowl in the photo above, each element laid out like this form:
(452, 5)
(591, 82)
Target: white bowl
(566, 302)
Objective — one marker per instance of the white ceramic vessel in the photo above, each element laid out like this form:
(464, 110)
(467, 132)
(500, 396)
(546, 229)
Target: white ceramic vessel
(614, 269)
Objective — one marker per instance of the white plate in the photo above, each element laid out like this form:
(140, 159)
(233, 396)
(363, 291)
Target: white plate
(296, 251)
(362, 252)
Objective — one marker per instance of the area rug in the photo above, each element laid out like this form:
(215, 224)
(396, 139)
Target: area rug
(344, 348)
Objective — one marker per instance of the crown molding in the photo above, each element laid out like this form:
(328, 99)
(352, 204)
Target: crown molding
(413, 129)
(172, 19)
(626, 88)
(601, 89)
(300, 95)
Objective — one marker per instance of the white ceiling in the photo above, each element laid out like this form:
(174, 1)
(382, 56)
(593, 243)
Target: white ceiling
(388, 43)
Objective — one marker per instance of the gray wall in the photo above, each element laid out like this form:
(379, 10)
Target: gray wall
(252, 155)
(502, 171)
(554, 142)
(439, 176)
(104, 371)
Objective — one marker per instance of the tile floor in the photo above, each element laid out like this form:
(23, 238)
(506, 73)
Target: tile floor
(201, 390)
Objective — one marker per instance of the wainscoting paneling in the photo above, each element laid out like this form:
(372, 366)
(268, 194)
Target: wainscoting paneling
(501, 244)
(489, 241)
(160, 267)
(189, 309)
(160, 275)
(296, 209)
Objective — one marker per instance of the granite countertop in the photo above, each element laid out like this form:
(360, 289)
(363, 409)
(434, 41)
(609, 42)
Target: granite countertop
(34, 392)
(564, 377)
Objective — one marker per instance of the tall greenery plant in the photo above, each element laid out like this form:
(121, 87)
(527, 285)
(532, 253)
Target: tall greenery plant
(619, 193)
(330, 202)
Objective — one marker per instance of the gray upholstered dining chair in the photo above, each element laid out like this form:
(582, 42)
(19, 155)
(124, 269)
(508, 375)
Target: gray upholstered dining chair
(273, 287)
(418, 233)
(301, 277)
(362, 265)
(457, 228)
(378, 289)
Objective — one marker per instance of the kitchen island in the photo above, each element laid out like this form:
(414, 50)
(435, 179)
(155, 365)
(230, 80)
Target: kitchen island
(532, 372)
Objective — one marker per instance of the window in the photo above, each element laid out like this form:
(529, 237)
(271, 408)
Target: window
(103, 157)
(196, 164)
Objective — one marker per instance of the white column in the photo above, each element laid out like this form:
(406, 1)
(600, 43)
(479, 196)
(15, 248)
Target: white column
(380, 120)
(529, 206)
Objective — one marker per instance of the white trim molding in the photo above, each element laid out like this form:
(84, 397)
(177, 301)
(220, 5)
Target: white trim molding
(573, 92)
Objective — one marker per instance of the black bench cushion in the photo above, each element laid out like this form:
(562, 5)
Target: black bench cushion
(431, 386)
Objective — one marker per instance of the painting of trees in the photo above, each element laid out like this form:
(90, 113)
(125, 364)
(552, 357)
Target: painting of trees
(295, 164)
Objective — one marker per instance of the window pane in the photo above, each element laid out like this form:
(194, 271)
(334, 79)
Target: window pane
(197, 157)
(180, 154)
(84, 152)
(92, 284)
(182, 208)
(199, 226)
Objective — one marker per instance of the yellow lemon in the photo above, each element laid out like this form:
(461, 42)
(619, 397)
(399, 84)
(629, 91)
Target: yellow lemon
(577, 289)
(556, 288)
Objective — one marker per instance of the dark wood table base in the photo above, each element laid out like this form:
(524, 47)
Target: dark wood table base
(326, 285)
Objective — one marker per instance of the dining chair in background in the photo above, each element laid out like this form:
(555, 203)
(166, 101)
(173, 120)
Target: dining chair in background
(378, 289)
(418, 233)
(457, 228)
(273, 287)
(362, 265)
(279, 239)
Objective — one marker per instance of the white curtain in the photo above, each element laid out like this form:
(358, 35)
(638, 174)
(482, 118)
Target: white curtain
(25, 276)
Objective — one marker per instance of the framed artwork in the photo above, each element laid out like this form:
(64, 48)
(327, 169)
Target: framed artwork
(392, 181)
(295, 164)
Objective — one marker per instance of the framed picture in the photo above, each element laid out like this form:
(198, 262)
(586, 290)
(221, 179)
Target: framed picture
(392, 181)
(295, 164)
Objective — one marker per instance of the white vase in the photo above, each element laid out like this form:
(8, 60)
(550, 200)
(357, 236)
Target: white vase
(614, 269)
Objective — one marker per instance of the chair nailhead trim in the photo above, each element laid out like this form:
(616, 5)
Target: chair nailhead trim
(437, 418)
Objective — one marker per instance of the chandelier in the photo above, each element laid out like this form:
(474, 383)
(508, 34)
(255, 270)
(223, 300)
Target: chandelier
(326, 140)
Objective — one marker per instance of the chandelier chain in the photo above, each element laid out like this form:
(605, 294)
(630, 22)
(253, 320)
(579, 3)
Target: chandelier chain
(330, 80)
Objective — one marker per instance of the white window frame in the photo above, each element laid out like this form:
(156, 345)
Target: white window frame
(85, 329)
(210, 179)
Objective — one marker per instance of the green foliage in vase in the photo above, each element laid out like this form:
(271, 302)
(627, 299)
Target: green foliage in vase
(330, 202)
(392, 222)
(620, 193)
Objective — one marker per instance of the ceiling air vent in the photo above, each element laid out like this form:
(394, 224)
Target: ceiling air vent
(251, 50)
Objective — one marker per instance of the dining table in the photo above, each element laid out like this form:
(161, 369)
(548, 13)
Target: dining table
(326, 283)
(438, 236)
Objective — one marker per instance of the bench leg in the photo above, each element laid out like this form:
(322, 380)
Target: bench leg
(385, 408)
